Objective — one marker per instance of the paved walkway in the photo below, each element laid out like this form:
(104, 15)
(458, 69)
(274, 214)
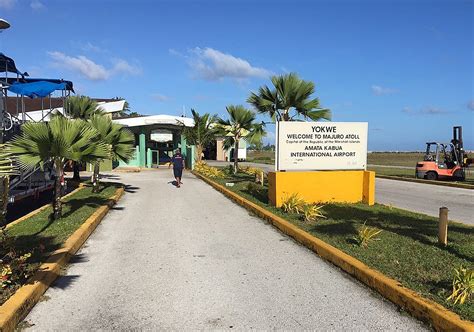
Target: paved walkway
(188, 258)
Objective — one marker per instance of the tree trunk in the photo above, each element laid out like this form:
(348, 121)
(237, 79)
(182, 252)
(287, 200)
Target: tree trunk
(95, 178)
(286, 115)
(57, 204)
(236, 156)
(76, 170)
(199, 149)
(4, 187)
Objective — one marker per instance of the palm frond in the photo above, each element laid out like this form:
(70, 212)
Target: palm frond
(82, 107)
(7, 167)
(60, 139)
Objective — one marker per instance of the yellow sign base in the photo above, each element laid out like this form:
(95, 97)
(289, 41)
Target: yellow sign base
(322, 186)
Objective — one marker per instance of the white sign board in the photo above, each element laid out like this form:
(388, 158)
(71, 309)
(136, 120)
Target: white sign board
(161, 135)
(321, 145)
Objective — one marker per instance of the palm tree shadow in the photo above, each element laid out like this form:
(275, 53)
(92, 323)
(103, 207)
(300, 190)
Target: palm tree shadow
(418, 229)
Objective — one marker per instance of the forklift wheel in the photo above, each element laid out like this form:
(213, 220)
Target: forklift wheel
(431, 176)
(459, 175)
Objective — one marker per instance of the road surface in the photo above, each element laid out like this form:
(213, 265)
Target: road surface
(190, 259)
(418, 197)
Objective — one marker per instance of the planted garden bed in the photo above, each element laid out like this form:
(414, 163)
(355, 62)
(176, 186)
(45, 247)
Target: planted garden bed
(406, 249)
(26, 245)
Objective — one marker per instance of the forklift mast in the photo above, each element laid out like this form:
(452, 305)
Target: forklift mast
(457, 143)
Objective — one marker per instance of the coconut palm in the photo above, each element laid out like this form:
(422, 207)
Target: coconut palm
(120, 143)
(290, 93)
(202, 133)
(240, 125)
(6, 170)
(81, 107)
(56, 142)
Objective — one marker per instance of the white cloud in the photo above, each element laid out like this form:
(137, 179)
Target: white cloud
(212, 65)
(91, 70)
(87, 47)
(430, 110)
(470, 105)
(160, 97)
(123, 67)
(37, 5)
(7, 4)
(433, 110)
(81, 64)
(172, 51)
(380, 90)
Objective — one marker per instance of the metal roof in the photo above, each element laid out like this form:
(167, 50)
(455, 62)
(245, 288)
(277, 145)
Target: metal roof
(156, 119)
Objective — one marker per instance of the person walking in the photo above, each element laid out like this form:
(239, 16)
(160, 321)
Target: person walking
(178, 165)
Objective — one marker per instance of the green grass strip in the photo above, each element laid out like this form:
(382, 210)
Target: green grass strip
(40, 235)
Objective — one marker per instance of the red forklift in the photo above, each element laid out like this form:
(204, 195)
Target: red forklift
(444, 160)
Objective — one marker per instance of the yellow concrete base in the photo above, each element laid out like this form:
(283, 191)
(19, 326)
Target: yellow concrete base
(322, 186)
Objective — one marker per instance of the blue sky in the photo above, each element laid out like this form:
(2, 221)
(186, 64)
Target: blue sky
(406, 67)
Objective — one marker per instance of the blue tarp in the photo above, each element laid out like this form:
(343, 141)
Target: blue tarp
(36, 89)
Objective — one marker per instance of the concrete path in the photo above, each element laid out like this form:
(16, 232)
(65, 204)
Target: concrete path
(418, 197)
(189, 258)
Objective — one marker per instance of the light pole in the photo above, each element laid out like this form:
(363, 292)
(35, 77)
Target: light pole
(3, 26)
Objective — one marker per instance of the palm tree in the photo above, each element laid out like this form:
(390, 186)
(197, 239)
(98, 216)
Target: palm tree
(239, 125)
(202, 133)
(57, 142)
(120, 143)
(81, 107)
(289, 93)
(6, 170)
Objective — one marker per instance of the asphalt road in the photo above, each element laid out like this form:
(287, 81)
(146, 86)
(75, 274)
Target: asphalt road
(427, 198)
(190, 259)
(418, 197)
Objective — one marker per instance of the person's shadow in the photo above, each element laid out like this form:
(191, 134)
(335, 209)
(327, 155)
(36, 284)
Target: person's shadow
(174, 183)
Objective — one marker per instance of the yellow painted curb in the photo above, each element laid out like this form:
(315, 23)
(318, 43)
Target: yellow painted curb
(17, 306)
(436, 183)
(38, 210)
(429, 311)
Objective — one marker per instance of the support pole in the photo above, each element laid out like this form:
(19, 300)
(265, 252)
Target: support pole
(443, 226)
(142, 144)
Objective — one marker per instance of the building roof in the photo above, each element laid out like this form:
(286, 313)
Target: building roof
(109, 105)
(156, 119)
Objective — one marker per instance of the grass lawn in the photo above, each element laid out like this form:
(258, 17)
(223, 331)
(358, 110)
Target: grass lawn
(40, 236)
(261, 157)
(395, 159)
(407, 250)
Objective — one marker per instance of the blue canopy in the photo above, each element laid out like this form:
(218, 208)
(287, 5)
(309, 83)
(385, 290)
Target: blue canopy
(36, 89)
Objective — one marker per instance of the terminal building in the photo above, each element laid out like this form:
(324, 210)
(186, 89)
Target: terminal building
(158, 136)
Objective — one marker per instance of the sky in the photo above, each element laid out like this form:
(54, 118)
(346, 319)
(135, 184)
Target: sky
(405, 67)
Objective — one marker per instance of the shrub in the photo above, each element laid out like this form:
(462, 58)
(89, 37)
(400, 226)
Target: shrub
(12, 264)
(206, 170)
(365, 235)
(463, 285)
(293, 204)
(312, 212)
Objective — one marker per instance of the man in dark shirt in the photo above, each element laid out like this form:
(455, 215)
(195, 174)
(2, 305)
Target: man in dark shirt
(178, 165)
